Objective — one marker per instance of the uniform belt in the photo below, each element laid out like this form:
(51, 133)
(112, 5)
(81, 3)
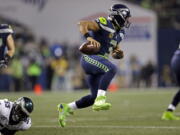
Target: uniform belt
(102, 56)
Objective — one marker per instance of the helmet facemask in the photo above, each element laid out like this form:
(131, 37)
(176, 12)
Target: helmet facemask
(18, 114)
(120, 17)
(22, 109)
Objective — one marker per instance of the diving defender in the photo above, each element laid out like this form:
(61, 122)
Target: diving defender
(105, 33)
(15, 116)
(7, 47)
(175, 65)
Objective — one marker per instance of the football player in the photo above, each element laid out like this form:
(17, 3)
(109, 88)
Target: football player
(7, 47)
(106, 33)
(15, 116)
(175, 64)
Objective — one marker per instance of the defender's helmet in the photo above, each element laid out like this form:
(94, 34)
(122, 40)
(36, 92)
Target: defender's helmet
(22, 108)
(119, 15)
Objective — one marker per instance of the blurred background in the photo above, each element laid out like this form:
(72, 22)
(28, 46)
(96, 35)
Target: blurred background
(47, 41)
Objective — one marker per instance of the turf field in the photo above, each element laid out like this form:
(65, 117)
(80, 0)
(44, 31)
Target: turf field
(133, 112)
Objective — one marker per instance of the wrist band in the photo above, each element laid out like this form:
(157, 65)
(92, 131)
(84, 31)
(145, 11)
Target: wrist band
(86, 35)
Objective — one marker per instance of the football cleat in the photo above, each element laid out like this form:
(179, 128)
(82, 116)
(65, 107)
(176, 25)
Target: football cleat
(100, 104)
(64, 111)
(167, 115)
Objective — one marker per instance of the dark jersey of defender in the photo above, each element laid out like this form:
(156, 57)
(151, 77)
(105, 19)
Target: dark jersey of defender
(108, 37)
(5, 30)
(177, 52)
(175, 65)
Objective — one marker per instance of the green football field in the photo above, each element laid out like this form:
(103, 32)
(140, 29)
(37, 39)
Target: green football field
(133, 112)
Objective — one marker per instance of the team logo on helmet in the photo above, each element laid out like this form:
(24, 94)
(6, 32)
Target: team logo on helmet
(119, 15)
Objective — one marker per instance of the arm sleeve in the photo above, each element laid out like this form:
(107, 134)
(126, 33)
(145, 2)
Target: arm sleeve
(6, 29)
(121, 35)
(3, 113)
(102, 22)
(3, 121)
(26, 124)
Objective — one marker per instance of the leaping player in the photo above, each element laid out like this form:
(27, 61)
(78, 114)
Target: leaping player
(7, 47)
(175, 65)
(15, 116)
(106, 33)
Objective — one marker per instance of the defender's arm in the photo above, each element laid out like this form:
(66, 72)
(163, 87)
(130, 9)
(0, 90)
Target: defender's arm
(11, 46)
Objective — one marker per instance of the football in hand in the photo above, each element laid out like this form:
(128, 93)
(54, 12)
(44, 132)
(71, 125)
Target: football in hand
(88, 48)
(117, 54)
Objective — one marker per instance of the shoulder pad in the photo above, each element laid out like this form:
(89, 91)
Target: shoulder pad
(103, 23)
(5, 28)
(102, 20)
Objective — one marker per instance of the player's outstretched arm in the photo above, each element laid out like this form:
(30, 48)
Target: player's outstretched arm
(86, 26)
(10, 53)
(11, 46)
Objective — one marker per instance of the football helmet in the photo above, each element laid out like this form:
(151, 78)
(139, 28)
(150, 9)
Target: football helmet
(119, 15)
(22, 108)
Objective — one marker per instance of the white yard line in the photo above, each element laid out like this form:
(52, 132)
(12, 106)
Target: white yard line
(52, 120)
(110, 126)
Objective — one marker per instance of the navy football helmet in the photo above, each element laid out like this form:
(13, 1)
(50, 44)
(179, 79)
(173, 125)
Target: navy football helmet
(119, 15)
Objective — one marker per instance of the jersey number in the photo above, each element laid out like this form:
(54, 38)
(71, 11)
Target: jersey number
(7, 104)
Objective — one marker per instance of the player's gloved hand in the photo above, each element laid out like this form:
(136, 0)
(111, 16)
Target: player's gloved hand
(4, 63)
(117, 54)
(94, 42)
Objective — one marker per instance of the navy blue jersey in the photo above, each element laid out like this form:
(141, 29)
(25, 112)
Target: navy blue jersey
(5, 30)
(175, 64)
(108, 37)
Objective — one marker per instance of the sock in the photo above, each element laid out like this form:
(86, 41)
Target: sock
(176, 99)
(171, 108)
(85, 101)
(73, 105)
(174, 102)
(101, 93)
